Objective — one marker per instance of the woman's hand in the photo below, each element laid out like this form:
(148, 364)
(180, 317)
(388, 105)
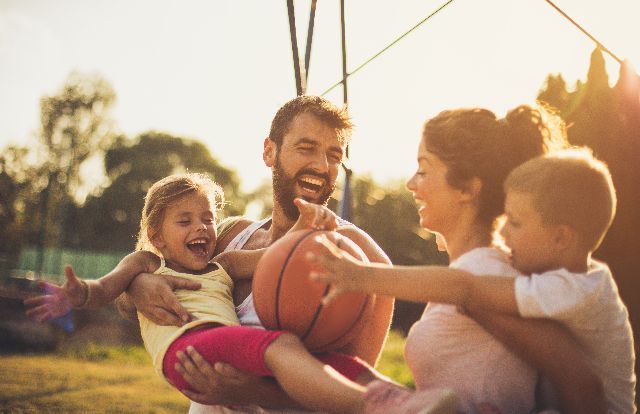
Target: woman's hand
(154, 298)
(220, 384)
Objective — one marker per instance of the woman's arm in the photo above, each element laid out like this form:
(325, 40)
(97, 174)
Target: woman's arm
(551, 349)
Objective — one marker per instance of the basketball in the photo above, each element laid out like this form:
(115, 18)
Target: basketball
(286, 299)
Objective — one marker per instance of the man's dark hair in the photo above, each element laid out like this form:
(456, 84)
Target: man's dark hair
(319, 107)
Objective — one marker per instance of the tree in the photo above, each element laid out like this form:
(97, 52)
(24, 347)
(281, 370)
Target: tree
(110, 218)
(13, 181)
(388, 214)
(74, 126)
(608, 121)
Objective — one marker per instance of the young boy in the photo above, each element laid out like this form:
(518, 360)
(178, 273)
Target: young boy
(558, 209)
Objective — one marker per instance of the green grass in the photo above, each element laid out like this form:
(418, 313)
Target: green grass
(101, 379)
(392, 362)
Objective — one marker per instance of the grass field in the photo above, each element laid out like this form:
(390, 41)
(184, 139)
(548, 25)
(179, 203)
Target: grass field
(99, 379)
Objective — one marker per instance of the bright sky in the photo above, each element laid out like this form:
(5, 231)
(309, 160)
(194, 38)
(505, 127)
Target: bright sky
(218, 70)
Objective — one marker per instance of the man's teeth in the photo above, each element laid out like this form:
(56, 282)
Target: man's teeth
(312, 181)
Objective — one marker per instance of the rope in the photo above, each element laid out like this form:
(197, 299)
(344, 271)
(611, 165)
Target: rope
(300, 88)
(583, 30)
(386, 48)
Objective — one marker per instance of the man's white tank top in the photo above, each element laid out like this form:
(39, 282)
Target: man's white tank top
(246, 310)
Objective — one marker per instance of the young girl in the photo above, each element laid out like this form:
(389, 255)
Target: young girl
(177, 237)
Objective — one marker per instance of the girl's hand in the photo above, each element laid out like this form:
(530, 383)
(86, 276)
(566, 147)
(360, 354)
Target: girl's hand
(341, 270)
(57, 301)
(314, 216)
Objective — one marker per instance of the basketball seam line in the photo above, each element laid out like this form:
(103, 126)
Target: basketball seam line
(280, 276)
(316, 315)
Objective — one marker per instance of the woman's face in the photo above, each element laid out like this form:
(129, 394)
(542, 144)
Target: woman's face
(438, 201)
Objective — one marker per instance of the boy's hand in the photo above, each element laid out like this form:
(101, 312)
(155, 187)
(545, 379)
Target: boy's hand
(57, 301)
(341, 269)
(314, 216)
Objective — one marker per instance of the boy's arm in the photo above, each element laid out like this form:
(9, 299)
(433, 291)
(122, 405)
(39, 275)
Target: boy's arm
(414, 283)
(550, 348)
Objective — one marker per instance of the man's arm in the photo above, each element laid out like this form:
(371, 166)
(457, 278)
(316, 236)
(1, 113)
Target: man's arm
(240, 264)
(374, 327)
(153, 297)
(225, 384)
(551, 349)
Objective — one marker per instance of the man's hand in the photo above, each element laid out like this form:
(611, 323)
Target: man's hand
(222, 384)
(153, 296)
(314, 216)
(57, 301)
(342, 271)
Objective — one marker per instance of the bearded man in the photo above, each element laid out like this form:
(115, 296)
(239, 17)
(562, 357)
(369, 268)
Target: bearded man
(305, 149)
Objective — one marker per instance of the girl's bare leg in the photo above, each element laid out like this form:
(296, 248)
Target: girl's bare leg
(310, 382)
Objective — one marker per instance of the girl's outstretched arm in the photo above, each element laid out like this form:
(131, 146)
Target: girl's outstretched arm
(80, 293)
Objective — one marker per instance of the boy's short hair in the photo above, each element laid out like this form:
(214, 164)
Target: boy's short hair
(569, 187)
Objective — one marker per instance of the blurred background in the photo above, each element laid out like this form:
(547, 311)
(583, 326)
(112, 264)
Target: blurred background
(100, 99)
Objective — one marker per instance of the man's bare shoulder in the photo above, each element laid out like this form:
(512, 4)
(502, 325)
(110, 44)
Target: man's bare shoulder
(228, 229)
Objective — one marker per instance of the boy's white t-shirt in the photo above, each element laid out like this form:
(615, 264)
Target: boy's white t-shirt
(589, 305)
(446, 348)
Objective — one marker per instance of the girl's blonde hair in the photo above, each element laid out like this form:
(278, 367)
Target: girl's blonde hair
(166, 192)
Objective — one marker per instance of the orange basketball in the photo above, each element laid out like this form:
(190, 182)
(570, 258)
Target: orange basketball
(286, 299)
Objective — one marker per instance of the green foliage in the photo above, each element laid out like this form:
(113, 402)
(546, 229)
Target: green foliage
(607, 119)
(392, 363)
(388, 214)
(11, 188)
(110, 218)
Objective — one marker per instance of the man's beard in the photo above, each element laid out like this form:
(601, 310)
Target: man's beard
(284, 189)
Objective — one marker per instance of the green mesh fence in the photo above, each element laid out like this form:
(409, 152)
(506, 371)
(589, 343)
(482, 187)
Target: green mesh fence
(86, 264)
